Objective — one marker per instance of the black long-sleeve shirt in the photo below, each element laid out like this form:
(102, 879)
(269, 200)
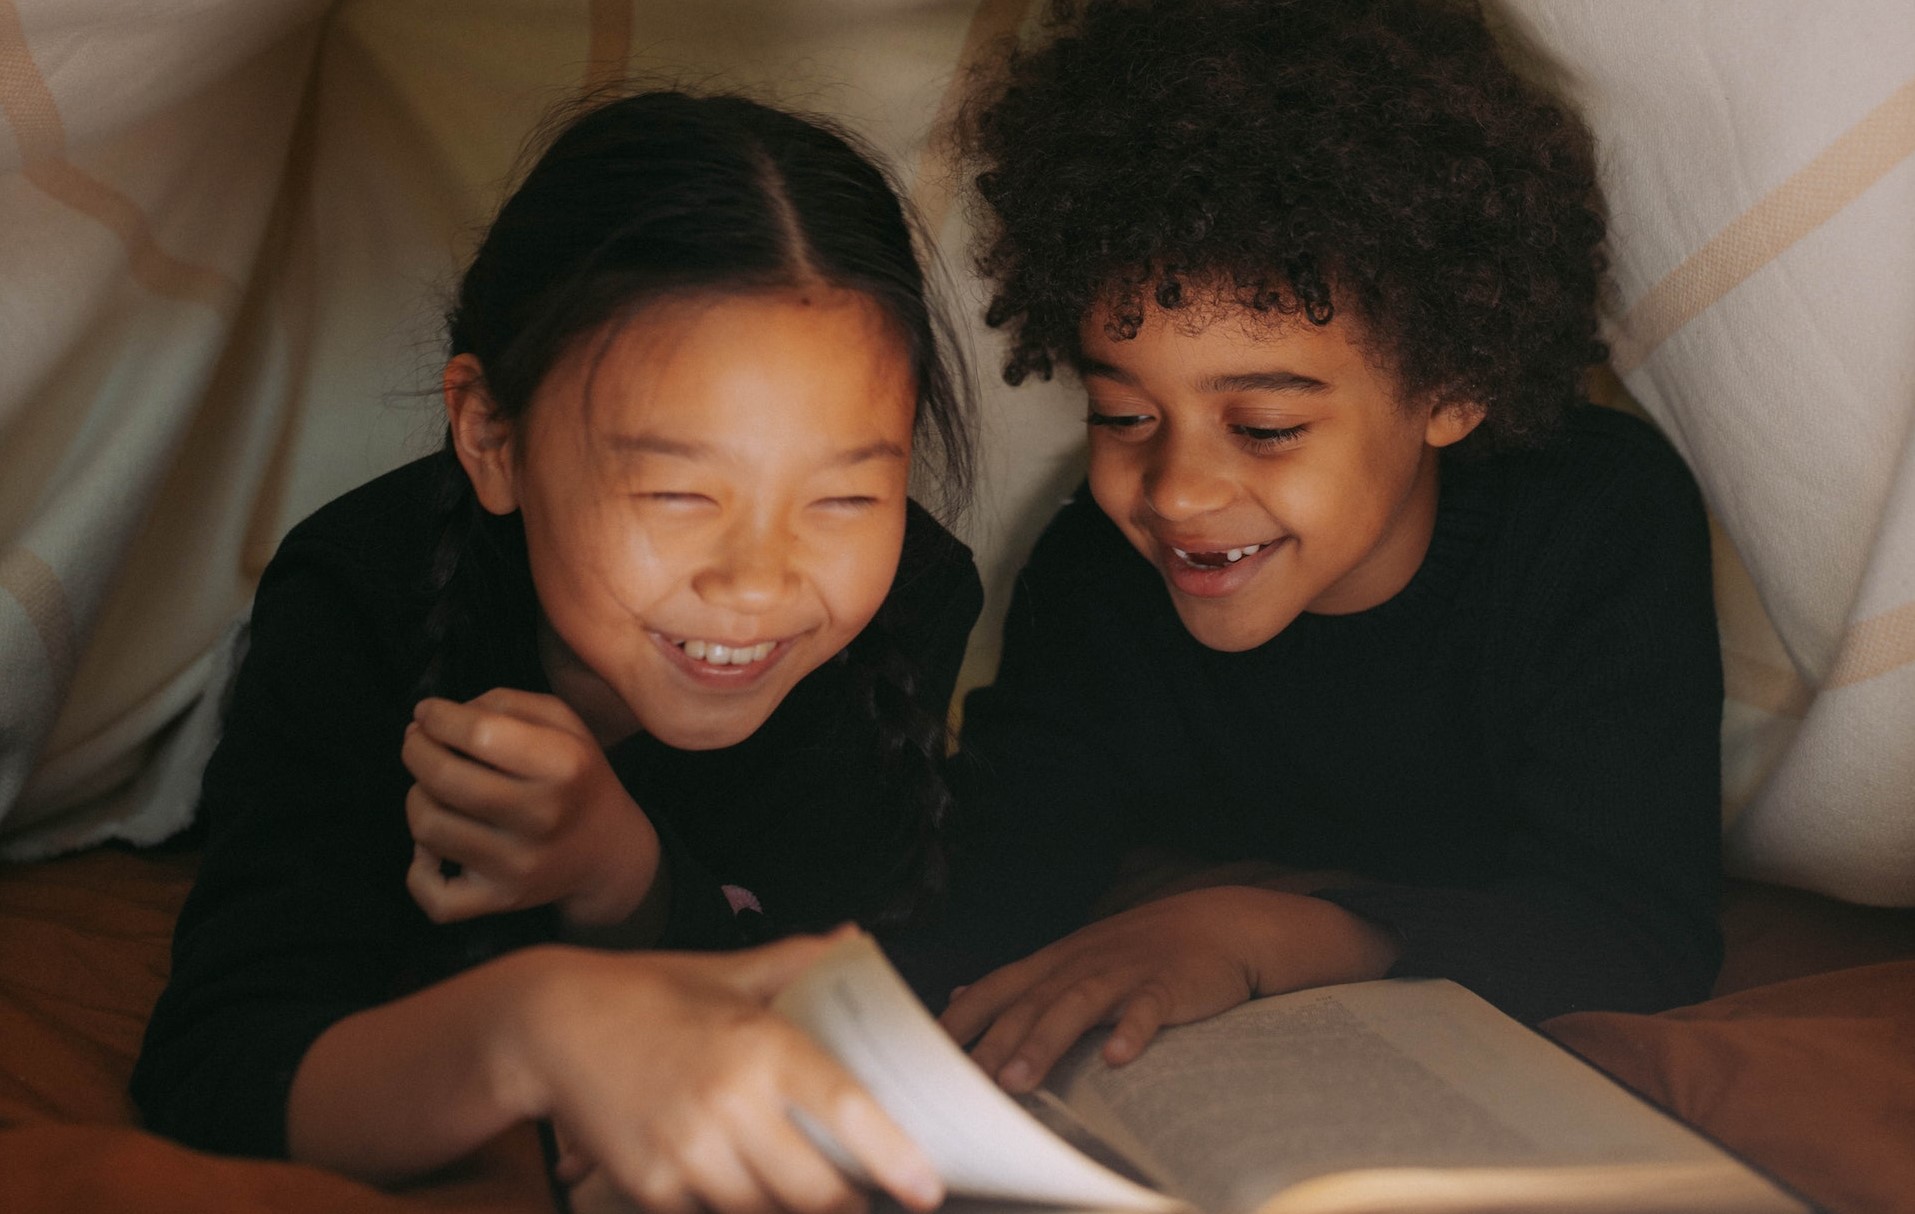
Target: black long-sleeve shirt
(1519, 751)
(300, 915)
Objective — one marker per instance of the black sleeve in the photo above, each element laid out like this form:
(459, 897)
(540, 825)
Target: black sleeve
(1051, 770)
(300, 914)
(1608, 890)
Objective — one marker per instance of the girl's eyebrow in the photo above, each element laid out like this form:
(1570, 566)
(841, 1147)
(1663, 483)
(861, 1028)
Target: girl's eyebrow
(653, 444)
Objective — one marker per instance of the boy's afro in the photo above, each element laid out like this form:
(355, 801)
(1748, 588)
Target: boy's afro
(1303, 155)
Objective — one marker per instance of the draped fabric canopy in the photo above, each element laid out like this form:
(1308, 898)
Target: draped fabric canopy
(227, 229)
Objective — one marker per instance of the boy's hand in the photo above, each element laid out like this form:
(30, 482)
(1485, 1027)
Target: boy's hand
(513, 788)
(1171, 961)
(673, 1086)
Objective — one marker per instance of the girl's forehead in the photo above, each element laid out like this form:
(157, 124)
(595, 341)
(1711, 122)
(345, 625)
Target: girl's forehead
(793, 365)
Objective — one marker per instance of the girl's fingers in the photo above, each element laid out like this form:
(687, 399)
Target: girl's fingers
(760, 973)
(1062, 1018)
(471, 788)
(505, 742)
(532, 707)
(793, 1171)
(451, 899)
(471, 844)
(868, 1135)
(719, 1179)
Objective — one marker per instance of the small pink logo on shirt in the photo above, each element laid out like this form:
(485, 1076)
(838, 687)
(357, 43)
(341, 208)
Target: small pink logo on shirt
(741, 899)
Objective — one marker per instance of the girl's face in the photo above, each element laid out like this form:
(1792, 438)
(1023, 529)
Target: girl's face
(1265, 467)
(714, 504)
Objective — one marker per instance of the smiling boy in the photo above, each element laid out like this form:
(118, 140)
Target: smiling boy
(1371, 649)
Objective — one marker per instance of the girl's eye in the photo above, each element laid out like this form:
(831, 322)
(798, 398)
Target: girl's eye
(847, 504)
(676, 501)
(1260, 439)
(1121, 425)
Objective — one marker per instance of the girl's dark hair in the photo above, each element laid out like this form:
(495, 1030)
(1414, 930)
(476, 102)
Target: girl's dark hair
(663, 194)
(1302, 157)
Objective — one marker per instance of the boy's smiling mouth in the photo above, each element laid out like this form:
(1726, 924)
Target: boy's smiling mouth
(1217, 560)
(1213, 572)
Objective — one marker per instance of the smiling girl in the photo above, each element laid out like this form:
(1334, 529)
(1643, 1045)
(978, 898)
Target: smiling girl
(1370, 649)
(655, 652)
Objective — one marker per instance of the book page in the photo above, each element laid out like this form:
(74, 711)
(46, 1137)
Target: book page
(1407, 1074)
(855, 1005)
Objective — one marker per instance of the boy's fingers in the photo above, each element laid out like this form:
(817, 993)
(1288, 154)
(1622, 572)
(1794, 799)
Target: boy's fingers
(973, 1008)
(1007, 1032)
(1146, 1012)
(1063, 1019)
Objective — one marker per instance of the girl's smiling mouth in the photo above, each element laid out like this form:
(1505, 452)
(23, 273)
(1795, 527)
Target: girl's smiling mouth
(1213, 572)
(725, 664)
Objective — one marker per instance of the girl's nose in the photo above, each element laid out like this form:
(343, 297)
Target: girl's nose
(1181, 482)
(751, 572)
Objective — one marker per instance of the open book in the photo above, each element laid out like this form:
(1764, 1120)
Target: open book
(1400, 1095)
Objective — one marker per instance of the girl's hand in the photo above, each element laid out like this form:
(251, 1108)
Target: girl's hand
(671, 1082)
(514, 789)
(1171, 961)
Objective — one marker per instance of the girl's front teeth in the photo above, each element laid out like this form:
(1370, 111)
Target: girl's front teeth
(726, 655)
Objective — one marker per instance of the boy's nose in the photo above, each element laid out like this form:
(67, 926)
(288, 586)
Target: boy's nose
(751, 572)
(1182, 483)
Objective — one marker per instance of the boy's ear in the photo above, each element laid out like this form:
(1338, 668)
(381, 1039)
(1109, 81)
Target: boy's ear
(1451, 421)
(481, 438)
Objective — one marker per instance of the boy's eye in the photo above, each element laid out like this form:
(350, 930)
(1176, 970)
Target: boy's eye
(847, 504)
(1264, 438)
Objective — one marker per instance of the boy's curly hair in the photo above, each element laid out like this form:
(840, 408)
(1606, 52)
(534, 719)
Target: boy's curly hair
(1301, 156)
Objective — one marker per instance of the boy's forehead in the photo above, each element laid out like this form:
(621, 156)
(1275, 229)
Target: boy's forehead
(1219, 345)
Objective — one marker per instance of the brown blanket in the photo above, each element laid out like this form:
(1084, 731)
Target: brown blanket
(1811, 1078)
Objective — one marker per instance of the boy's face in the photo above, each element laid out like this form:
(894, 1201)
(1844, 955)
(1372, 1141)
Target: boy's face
(1265, 467)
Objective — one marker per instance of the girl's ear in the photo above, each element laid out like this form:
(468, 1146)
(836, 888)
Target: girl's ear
(1451, 422)
(481, 438)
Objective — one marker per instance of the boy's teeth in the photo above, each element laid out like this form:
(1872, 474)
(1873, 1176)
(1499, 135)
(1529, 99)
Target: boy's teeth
(713, 653)
(1231, 557)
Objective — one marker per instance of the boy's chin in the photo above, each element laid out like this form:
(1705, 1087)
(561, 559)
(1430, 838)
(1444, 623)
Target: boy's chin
(1232, 627)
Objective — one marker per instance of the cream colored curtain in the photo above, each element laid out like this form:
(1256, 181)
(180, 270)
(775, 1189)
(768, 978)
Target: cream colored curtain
(1759, 159)
(227, 226)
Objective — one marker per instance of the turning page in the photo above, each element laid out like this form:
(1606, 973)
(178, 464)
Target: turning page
(983, 1144)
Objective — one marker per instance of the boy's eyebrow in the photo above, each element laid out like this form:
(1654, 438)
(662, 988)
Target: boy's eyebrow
(653, 444)
(1102, 370)
(1233, 381)
(1262, 381)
